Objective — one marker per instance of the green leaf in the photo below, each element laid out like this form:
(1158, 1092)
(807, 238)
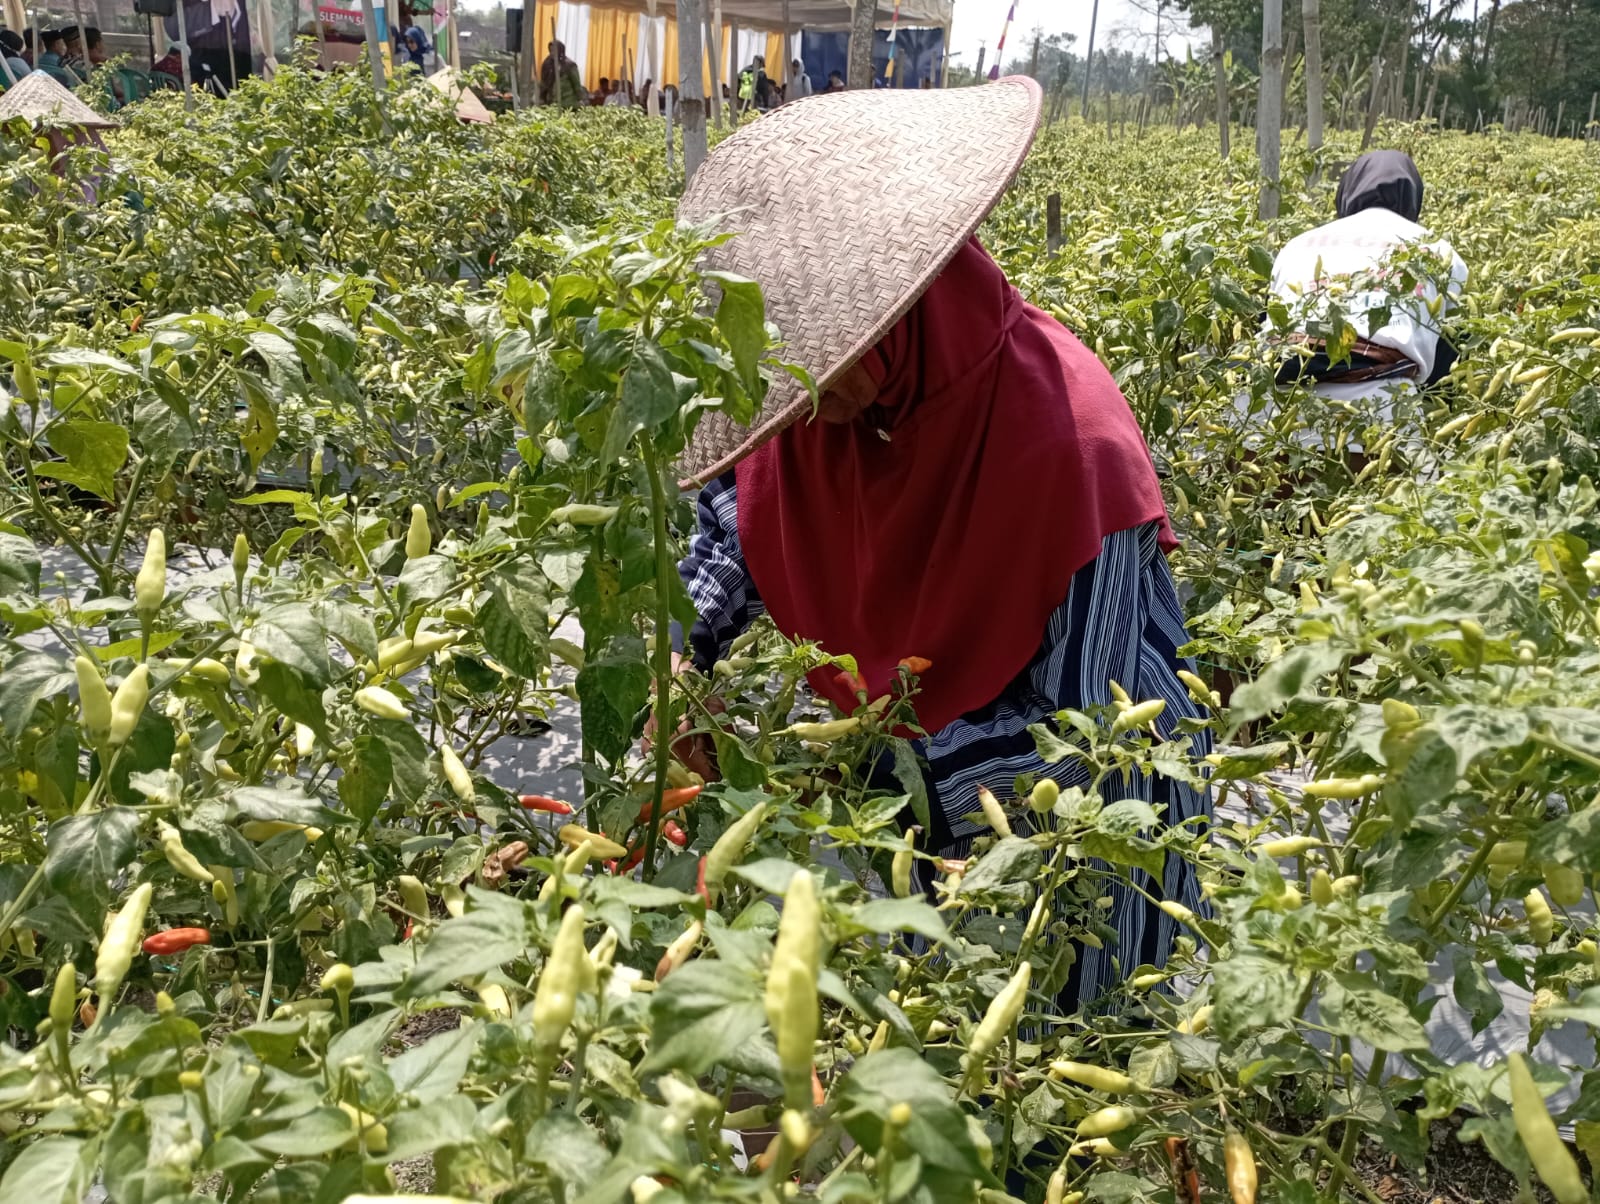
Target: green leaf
(319, 1131)
(94, 451)
(1253, 992)
(1356, 1006)
(900, 915)
(649, 397)
(495, 931)
(435, 1068)
(1166, 317)
(409, 771)
(423, 580)
(52, 1170)
(742, 321)
(1472, 731)
(448, 1120)
(364, 784)
(938, 1130)
(24, 682)
(271, 497)
(258, 429)
(514, 624)
(908, 772)
(19, 565)
(291, 633)
(287, 689)
(613, 688)
(1011, 863)
(287, 803)
(1290, 675)
(160, 431)
(85, 852)
(1051, 747)
(566, 1147)
(1474, 992)
(701, 1013)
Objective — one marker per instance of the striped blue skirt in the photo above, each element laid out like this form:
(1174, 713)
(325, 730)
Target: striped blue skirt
(1121, 622)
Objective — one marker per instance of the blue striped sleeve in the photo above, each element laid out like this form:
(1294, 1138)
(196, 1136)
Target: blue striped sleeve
(715, 575)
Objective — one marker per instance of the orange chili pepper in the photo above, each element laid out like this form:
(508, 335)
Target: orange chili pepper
(916, 665)
(819, 1095)
(550, 806)
(671, 800)
(176, 940)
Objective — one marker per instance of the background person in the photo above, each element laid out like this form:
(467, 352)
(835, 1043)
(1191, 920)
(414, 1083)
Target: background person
(1392, 281)
(559, 81)
(11, 45)
(52, 61)
(799, 81)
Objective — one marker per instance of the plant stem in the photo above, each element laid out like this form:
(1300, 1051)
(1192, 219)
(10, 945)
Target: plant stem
(266, 983)
(1352, 1134)
(1459, 886)
(663, 651)
(121, 532)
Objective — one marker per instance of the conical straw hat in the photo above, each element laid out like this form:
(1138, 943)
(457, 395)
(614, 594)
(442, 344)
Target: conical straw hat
(41, 100)
(846, 206)
(468, 106)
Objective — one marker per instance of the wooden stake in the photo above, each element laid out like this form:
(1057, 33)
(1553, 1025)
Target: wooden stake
(1052, 224)
(1269, 114)
(183, 57)
(369, 17)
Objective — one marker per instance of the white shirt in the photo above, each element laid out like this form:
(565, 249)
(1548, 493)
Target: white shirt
(618, 100)
(1352, 263)
(799, 86)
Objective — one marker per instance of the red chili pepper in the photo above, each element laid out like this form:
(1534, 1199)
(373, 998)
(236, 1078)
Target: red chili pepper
(674, 832)
(671, 800)
(410, 924)
(551, 806)
(852, 682)
(176, 940)
(138, 320)
(700, 883)
(818, 1095)
(916, 665)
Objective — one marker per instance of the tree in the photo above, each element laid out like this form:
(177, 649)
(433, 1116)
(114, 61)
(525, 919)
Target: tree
(1269, 107)
(1311, 25)
(862, 21)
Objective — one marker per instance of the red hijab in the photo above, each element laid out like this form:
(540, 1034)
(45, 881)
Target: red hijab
(1010, 455)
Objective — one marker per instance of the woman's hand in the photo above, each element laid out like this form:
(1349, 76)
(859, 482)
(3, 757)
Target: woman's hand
(696, 750)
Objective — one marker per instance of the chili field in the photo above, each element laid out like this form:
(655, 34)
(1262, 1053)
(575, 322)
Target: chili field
(403, 397)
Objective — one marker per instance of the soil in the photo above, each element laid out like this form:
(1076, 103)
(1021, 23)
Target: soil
(1457, 1172)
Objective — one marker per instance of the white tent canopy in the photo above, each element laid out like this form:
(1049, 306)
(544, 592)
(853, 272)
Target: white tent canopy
(808, 14)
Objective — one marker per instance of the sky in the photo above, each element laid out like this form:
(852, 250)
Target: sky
(1121, 22)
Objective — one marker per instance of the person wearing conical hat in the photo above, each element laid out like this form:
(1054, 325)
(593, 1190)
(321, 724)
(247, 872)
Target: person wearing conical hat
(972, 488)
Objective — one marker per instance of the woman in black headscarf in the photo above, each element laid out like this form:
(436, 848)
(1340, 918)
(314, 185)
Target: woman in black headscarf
(1352, 261)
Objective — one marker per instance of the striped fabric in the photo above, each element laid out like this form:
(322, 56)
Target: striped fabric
(1121, 621)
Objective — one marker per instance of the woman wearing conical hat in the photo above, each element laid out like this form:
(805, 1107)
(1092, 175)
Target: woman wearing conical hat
(973, 489)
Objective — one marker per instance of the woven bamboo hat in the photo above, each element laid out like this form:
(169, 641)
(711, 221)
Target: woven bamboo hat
(38, 99)
(846, 206)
